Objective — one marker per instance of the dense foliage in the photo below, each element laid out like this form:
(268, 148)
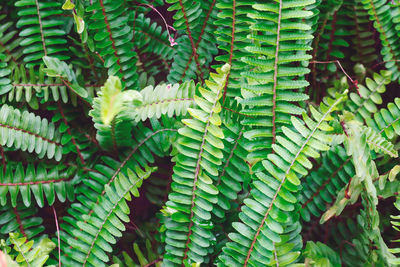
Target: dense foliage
(199, 133)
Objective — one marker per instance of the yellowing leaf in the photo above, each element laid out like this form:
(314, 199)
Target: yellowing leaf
(68, 5)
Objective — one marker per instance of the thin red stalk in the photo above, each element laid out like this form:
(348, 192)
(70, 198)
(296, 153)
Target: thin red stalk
(18, 218)
(30, 133)
(346, 192)
(126, 160)
(78, 151)
(157, 39)
(111, 210)
(194, 48)
(58, 236)
(98, 55)
(234, 111)
(382, 32)
(110, 36)
(50, 84)
(283, 181)
(383, 62)
(90, 59)
(230, 156)
(231, 50)
(354, 82)
(68, 84)
(41, 27)
(134, 25)
(153, 262)
(37, 182)
(278, 35)
(196, 175)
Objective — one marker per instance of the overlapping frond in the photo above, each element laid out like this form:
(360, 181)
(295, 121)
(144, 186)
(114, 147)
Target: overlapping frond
(41, 30)
(193, 190)
(91, 191)
(386, 120)
(396, 223)
(273, 83)
(272, 200)
(164, 99)
(9, 40)
(29, 252)
(364, 103)
(380, 14)
(232, 32)
(27, 132)
(21, 219)
(330, 36)
(49, 181)
(112, 36)
(364, 41)
(196, 47)
(5, 71)
(149, 37)
(322, 185)
(234, 171)
(100, 228)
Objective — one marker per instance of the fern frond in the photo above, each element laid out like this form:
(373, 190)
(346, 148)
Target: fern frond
(288, 249)
(322, 185)
(58, 68)
(9, 40)
(378, 143)
(359, 143)
(5, 71)
(380, 14)
(21, 219)
(110, 114)
(112, 37)
(193, 192)
(165, 99)
(31, 253)
(319, 254)
(330, 39)
(365, 104)
(386, 120)
(364, 42)
(28, 132)
(272, 200)
(197, 45)
(40, 180)
(234, 172)
(232, 34)
(32, 86)
(92, 190)
(105, 223)
(269, 89)
(41, 30)
(149, 37)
